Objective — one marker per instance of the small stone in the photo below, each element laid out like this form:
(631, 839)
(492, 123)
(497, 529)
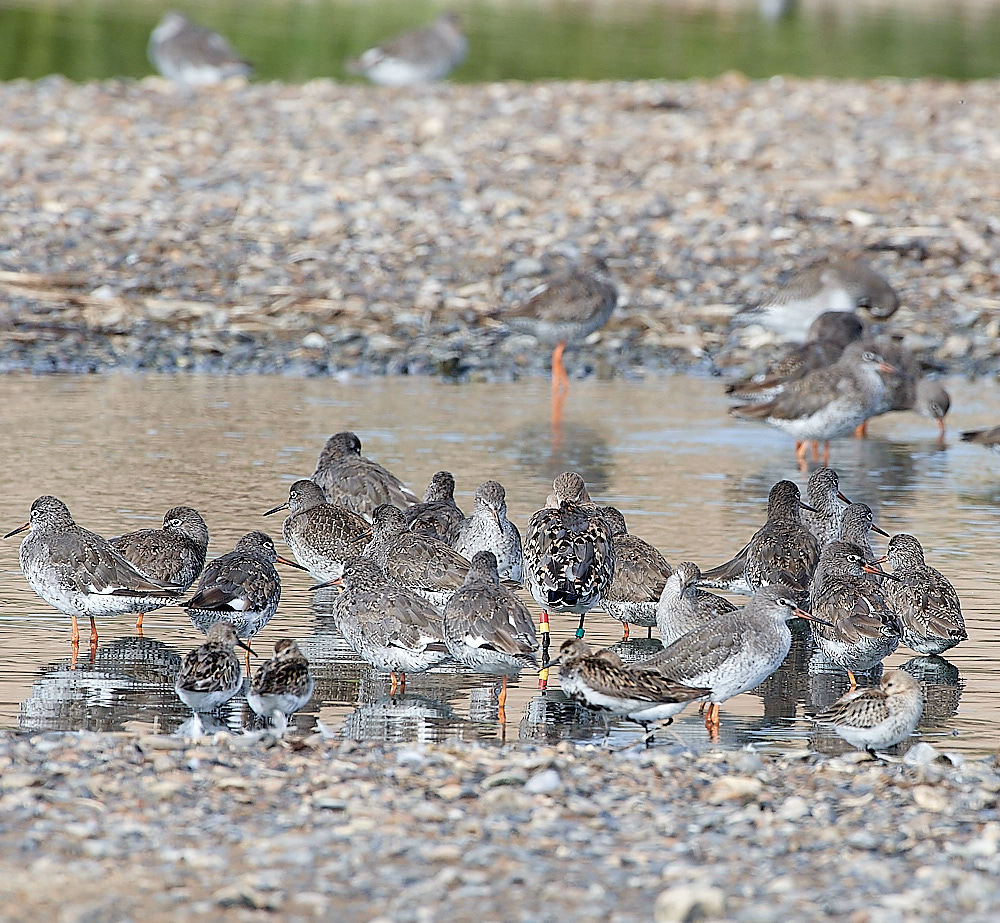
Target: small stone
(541, 783)
(743, 789)
(689, 904)
(920, 754)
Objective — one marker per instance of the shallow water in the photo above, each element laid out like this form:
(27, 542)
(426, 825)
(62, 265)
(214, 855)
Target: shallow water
(120, 450)
(297, 40)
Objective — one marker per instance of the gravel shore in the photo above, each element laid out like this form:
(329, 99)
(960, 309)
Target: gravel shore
(332, 229)
(144, 826)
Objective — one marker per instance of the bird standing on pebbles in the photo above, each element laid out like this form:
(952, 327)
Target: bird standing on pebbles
(415, 57)
(189, 54)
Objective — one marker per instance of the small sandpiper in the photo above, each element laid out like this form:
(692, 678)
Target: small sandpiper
(437, 514)
(321, 535)
(599, 680)
(734, 652)
(487, 627)
(79, 572)
(683, 606)
(836, 284)
(640, 574)
(241, 588)
(394, 629)
(350, 479)
(281, 685)
(859, 629)
(172, 555)
(828, 403)
(782, 551)
(489, 529)
(873, 719)
(824, 496)
(925, 602)
(187, 53)
(418, 56)
(211, 674)
(426, 565)
(569, 558)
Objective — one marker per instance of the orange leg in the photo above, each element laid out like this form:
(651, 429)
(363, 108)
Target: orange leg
(75, 637)
(393, 682)
(560, 380)
(543, 630)
(815, 446)
(861, 432)
(801, 450)
(402, 682)
(826, 453)
(138, 624)
(247, 658)
(854, 681)
(502, 700)
(625, 631)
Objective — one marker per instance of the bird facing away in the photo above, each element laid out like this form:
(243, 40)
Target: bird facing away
(350, 479)
(925, 602)
(189, 54)
(825, 404)
(79, 572)
(172, 555)
(599, 680)
(783, 551)
(837, 284)
(438, 513)
(640, 574)
(859, 629)
(321, 535)
(824, 496)
(873, 719)
(418, 56)
(487, 627)
(241, 587)
(426, 565)
(391, 627)
(569, 558)
(683, 606)
(733, 652)
(565, 310)
(210, 675)
(281, 685)
(489, 529)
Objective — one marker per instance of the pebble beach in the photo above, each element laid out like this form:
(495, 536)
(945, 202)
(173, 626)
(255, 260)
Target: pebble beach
(324, 229)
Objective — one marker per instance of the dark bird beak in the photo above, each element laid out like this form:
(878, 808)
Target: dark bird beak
(284, 506)
(17, 530)
(872, 569)
(840, 496)
(246, 646)
(294, 564)
(338, 583)
(806, 506)
(875, 528)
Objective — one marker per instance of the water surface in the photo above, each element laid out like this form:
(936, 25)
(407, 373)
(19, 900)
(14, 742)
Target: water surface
(120, 450)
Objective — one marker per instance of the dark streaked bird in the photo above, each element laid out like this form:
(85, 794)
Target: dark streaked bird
(682, 606)
(321, 535)
(489, 529)
(438, 513)
(824, 496)
(826, 340)
(856, 523)
(391, 627)
(860, 629)
(925, 602)
(733, 652)
(211, 674)
(421, 563)
(990, 438)
(565, 310)
(281, 685)
(836, 284)
(640, 573)
(241, 588)
(783, 551)
(599, 680)
(172, 555)
(350, 479)
(873, 719)
(569, 559)
(79, 572)
(418, 56)
(487, 627)
(187, 53)
(825, 404)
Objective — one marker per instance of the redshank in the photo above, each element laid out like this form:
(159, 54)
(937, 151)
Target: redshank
(824, 496)
(682, 606)
(438, 513)
(856, 522)
(189, 54)
(418, 56)
(489, 529)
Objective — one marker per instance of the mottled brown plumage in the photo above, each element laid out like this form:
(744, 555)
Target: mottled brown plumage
(437, 514)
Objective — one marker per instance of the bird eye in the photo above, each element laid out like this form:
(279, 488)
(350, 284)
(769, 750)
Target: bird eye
(871, 357)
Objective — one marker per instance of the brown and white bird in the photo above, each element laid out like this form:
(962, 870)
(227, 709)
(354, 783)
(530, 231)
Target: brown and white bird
(79, 572)
(172, 555)
(415, 57)
(989, 438)
(438, 513)
(599, 680)
(824, 496)
(640, 574)
(281, 685)
(350, 479)
(321, 535)
(783, 551)
(876, 718)
(569, 558)
(211, 675)
(189, 54)
(925, 602)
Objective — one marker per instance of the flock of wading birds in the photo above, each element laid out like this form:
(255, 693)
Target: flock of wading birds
(421, 582)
